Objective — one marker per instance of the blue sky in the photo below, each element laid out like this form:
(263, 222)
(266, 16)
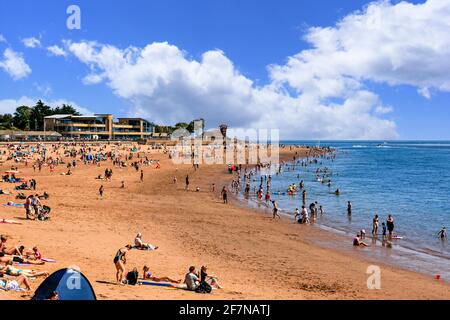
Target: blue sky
(251, 34)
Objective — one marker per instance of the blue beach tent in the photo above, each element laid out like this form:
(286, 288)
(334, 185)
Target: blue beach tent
(70, 284)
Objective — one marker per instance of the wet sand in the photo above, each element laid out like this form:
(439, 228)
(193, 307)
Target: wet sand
(253, 256)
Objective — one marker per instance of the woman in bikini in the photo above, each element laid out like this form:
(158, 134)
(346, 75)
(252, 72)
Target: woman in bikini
(15, 285)
(120, 261)
(149, 276)
(14, 272)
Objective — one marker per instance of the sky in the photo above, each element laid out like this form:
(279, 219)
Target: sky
(312, 69)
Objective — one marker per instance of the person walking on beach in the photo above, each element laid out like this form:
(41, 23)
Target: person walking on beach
(275, 210)
(142, 175)
(101, 190)
(187, 183)
(375, 225)
(225, 195)
(390, 225)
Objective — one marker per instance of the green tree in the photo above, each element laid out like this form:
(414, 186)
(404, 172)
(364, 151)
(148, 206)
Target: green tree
(39, 112)
(22, 117)
(66, 109)
(6, 122)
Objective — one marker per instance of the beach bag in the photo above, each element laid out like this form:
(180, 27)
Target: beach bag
(204, 287)
(132, 278)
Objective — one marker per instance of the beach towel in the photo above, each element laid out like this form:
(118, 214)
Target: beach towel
(150, 247)
(13, 205)
(4, 221)
(154, 284)
(48, 260)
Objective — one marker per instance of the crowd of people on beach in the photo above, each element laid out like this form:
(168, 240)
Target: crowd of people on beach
(16, 262)
(323, 175)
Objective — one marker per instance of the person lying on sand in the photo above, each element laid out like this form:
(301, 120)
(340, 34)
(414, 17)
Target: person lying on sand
(138, 244)
(120, 262)
(5, 259)
(15, 285)
(15, 272)
(149, 276)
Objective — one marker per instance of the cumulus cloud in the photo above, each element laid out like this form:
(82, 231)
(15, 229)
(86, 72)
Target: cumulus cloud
(31, 42)
(2, 38)
(10, 105)
(56, 51)
(402, 44)
(319, 93)
(14, 64)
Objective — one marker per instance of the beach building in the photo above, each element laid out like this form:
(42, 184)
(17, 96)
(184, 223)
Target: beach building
(17, 135)
(99, 127)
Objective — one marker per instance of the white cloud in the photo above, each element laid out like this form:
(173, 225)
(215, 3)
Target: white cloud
(31, 42)
(45, 89)
(14, 64)
(402, 44)
(56, 51)
(318, 93)
(10, 105)
(2, 38)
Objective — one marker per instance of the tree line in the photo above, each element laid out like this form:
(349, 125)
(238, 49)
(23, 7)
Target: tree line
(32, 118)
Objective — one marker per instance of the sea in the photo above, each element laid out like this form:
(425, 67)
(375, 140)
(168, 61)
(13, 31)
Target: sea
(408, 179)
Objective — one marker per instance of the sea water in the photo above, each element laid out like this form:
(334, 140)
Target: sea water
(409, 180)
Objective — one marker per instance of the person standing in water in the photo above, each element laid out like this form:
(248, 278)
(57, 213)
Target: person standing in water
(275, 210)
(390, 225)
(375, 225)
(383, 225)
(443, 233)
(349, 208)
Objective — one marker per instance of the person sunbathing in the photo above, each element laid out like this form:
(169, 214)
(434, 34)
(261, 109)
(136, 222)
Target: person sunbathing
(8, 251)
(149, 276)
(140, 245)
(15, 272)
(15, 285)
(6, 259)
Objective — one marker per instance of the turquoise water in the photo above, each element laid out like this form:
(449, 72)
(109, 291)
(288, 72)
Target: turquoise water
(410, 180)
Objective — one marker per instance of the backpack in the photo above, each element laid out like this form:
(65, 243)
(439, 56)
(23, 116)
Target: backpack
(204, 287)
(132, 278)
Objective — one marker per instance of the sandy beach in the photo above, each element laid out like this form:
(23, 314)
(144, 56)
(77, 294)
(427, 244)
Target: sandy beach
(253, 256)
